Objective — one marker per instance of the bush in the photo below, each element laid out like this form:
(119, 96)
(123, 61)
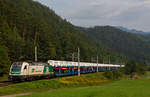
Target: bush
(115, 74)
(141, 68)
(4, 61)
(132, 67)
(108, 74)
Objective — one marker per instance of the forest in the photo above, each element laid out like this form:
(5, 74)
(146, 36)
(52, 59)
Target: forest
(135, 46)
(25, 24)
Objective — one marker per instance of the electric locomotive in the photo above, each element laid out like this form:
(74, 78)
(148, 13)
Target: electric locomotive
(21, 71)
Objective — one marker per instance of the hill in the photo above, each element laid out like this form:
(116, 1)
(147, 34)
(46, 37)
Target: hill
(146, 37)
(142, 34)
(132, 30)
(129, 44)
(26, 23)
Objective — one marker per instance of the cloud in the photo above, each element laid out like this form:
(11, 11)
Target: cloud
(147, 3)
(94, 4)
(128, 13)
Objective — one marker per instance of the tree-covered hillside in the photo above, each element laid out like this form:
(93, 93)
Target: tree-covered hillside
(25, 23)
(144, 35)
(129, 44)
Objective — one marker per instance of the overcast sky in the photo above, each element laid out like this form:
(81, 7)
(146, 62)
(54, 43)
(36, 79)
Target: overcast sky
(133, 14)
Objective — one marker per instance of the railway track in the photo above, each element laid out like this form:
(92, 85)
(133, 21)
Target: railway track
(5, 83)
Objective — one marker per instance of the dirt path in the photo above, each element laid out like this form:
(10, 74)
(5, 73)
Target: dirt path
(14, 95)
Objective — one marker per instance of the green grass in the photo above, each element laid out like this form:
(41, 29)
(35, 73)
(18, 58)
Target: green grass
(58, 83)
(4, 78)
(122, 88)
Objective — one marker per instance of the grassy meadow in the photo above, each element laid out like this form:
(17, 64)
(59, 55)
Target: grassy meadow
(122, 88)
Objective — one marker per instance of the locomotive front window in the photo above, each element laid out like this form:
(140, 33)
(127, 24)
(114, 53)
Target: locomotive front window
(16, 66)
(25, 67)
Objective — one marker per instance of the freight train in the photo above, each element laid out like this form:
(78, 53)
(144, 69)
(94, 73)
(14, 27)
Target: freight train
(22, 71)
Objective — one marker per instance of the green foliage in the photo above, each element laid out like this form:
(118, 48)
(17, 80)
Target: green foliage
(132, 67)
(117, 74)
(114, 75)
(108, 74)
(4, 60)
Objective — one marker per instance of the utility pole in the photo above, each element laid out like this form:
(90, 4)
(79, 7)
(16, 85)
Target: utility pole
(73, 57)
(35, 53)
(97, 63)
(109, 59)
(35, 44)
(121, 61)
(91, 59)
(0, 33)
(103, 61)
(78, 61)
(103, 58)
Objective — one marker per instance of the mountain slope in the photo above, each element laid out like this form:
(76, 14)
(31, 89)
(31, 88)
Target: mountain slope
(144, 35)
(132, 30)
(25, 23)
(126, 43)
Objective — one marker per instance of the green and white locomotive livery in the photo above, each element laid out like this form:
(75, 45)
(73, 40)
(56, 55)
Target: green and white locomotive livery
(30, 71)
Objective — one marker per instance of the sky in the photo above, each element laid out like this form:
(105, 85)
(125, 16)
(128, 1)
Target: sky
(132, 14)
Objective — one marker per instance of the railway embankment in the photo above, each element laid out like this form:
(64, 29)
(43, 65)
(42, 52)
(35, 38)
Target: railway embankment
(84, 80)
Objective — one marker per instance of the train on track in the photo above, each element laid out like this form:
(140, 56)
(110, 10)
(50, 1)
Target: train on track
(22, 71)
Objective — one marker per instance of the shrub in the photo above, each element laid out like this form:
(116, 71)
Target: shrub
(4, 61)
(132, 67)
(108, 74)
(115, 74)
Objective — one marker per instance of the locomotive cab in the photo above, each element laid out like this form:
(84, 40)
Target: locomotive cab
(21, 71)
(18, 70)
